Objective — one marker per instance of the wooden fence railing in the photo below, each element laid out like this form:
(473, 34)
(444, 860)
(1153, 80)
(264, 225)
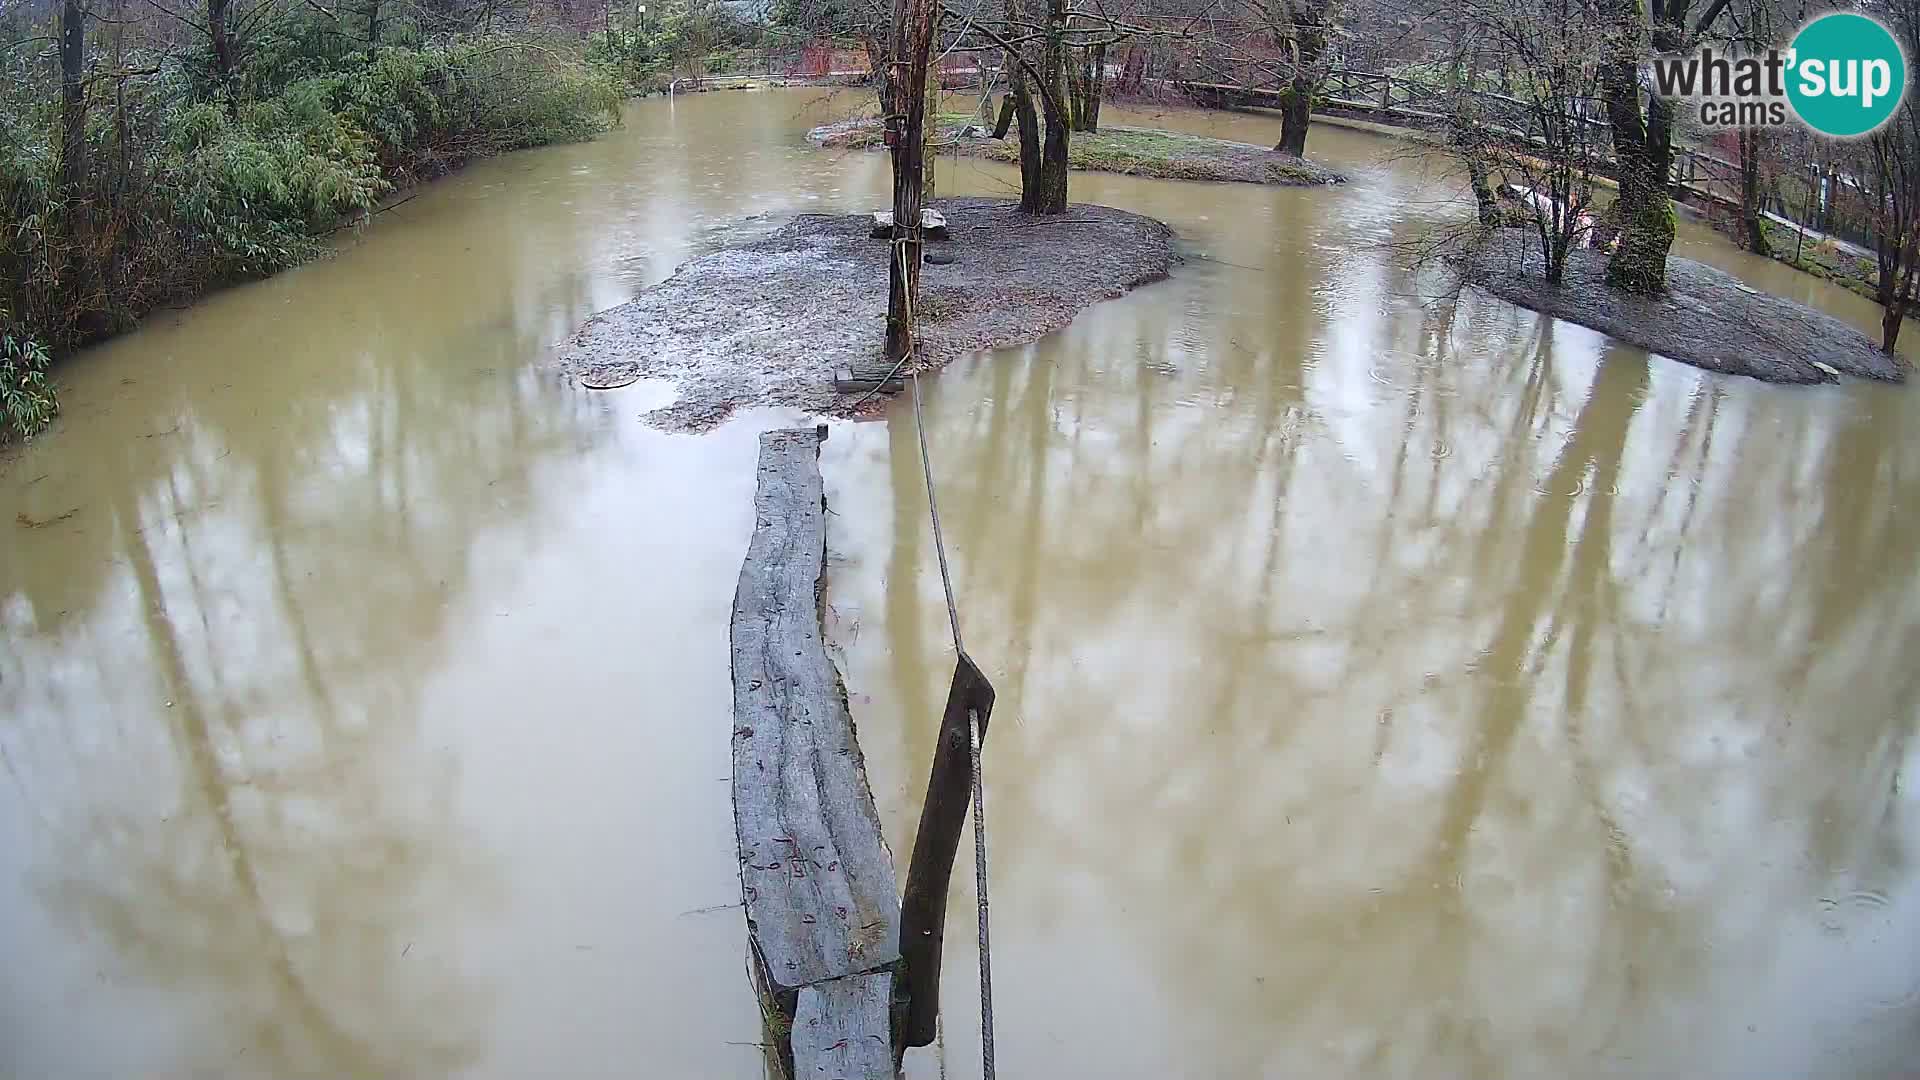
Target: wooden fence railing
(1409, 102)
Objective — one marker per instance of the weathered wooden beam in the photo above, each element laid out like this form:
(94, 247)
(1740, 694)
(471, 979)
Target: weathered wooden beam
(923, 911)
(862, 377)
(815, 873)
(840, 1029)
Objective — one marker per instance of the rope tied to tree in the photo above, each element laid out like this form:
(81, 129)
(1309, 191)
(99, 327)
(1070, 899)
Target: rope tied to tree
(973, 716)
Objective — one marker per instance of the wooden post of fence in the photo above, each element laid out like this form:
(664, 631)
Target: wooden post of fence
(923, 910)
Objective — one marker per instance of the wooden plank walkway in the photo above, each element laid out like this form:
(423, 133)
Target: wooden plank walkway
(823, 912)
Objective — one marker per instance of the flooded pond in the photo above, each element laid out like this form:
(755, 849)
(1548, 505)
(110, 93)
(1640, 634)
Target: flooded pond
(1387, 688)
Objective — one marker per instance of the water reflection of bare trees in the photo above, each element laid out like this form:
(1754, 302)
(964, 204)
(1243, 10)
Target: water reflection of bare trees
(214, 687)
(1471, 698)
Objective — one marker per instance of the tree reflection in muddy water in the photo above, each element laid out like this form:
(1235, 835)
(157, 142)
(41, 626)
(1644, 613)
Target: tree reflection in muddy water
(1402, 690)
(272, 844)
(1387, 689)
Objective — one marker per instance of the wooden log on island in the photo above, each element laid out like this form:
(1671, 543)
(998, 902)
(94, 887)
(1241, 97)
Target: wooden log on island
(816, 878)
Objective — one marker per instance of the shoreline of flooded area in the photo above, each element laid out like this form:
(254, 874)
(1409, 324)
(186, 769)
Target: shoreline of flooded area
(1387, 688)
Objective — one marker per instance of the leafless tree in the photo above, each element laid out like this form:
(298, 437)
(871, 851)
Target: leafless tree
(1539, 137)
(1893, 157)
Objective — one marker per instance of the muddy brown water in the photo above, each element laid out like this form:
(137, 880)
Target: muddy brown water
(1386, 688)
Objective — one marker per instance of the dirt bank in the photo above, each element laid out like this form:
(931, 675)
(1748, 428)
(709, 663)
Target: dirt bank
(1708, 318)
(1171, 155)
(767, 322)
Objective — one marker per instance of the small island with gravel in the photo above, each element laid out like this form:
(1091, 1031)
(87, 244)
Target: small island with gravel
(770, 321)
(1707, 317)
(1170, 155)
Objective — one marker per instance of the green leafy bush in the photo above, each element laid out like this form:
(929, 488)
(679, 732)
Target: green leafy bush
(264, 187)
(428, 110)
(26, 396)
(189, 188)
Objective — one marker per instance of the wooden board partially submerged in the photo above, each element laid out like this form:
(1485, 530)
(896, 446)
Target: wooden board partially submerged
(815, 873)
(868, 375)
(840, 1029)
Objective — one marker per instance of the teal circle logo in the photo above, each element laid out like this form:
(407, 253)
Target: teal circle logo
(1846, 74)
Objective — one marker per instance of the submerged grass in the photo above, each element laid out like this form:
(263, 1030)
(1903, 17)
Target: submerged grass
(1131, 151)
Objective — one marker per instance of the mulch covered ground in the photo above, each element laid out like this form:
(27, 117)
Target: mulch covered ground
(1708, 317)
(768, 322)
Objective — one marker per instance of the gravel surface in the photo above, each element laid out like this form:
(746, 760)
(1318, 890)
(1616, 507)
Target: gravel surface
(1708, 318)
(768, 322)
(1132, 151)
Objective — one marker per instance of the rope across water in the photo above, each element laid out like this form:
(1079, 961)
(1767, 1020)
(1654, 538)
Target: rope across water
(973, 717)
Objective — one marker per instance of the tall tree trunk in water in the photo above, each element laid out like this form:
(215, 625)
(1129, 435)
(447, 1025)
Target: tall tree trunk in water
(1751, 147)
(73, 153)
(906, 117)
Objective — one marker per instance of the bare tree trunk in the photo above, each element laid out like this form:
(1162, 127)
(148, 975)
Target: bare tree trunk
(1483, 190)
(1306, 32)
(1751, 147)
(1463, 134)
(930, 152)
(1051, 196)
(1093, 77)
(1894, 247)
(1085, 75)
(1099, 88)
(1643, 141)
(222, 41)
(906, 116)
(1643, 152)
(1295, 114)
(73, 97)
(1133, 71)
(1025, 115)
(1076, 93)
(73, 153)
